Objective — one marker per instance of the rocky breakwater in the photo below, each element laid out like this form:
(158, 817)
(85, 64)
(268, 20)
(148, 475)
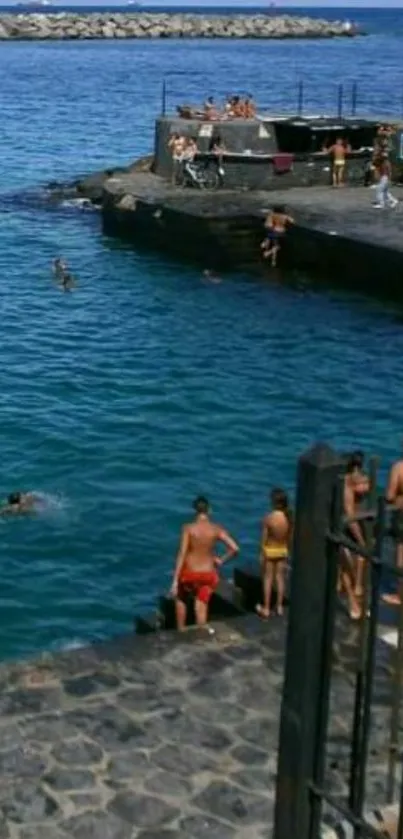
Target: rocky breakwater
(71, 26)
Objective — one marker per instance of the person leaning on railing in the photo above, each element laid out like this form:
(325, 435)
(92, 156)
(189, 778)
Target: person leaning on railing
(394, 495)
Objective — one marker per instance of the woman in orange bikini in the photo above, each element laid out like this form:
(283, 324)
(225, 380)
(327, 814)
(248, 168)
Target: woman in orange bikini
(195, 575)
(274, 551)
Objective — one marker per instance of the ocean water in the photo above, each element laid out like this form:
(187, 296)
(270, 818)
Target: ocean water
(147, 385)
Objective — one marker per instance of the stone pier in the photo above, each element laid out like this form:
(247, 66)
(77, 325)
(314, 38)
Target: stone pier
(165, 737)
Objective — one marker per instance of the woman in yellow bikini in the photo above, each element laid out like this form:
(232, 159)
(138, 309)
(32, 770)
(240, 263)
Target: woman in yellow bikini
(274, 551)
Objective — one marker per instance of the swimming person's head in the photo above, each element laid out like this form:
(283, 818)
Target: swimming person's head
(14, 498)
(279, 208)
(201, 505)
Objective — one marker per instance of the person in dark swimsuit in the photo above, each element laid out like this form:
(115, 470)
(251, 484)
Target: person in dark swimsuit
(276, 224)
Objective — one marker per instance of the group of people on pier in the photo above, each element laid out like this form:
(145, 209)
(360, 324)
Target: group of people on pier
(234, 107)
(196, 573)
(197, 564)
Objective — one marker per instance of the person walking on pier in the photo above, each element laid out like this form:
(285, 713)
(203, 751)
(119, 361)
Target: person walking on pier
(195, 576)
(383, 195)
(394, 495)
(275, 546)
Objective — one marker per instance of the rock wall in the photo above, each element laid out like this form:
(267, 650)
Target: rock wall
(70, 26)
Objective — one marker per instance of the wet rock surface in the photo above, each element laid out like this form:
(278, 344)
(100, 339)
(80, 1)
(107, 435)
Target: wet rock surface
(167, 736)
(71, 26)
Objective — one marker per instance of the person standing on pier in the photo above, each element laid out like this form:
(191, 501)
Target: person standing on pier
(275, 546)
(352, 564)
(394, 495)
(195, 576)
(176, 145)
(338, 151)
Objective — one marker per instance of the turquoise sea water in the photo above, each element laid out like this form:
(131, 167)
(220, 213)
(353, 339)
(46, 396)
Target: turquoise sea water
(148, 384)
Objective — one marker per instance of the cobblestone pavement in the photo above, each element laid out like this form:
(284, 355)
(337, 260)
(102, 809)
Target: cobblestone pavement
(162, 737)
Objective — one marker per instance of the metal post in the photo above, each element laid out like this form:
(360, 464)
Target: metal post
(332, 564)
(300, 103)
(368, 532)
(395, 716)
(354, 96)
(365, 679)
(304, 689)
(164, 98)
(340, 95)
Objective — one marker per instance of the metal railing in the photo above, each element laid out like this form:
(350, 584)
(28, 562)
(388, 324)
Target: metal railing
(307, 793)
(347, 99)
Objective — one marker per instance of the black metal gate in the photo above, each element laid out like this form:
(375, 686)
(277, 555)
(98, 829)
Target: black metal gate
(320, 531)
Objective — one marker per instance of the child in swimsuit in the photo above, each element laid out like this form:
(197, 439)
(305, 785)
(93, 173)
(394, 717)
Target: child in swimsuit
(274, 551)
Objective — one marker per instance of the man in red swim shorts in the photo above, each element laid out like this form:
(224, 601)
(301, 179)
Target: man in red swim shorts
(196, 574)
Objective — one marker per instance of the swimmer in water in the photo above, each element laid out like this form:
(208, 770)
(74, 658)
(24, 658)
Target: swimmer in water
(211, 276)
(67, 281)
(18, 503)
(59, 268)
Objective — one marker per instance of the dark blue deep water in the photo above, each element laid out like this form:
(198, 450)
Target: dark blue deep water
(147, 385)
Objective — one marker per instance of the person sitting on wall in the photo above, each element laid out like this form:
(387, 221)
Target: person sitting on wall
(176, 144)
(210, 111)
(237, 110)
(338, 150)
(185, 112)
(195, 576)
(249, 108)
(228, 107)
(276, 224)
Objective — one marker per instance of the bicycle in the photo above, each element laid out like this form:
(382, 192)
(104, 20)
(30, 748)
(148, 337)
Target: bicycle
(202, 175)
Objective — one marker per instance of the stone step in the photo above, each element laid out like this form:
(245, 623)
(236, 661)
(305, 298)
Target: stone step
(247, 579)
(144, 624)
(226, 602)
